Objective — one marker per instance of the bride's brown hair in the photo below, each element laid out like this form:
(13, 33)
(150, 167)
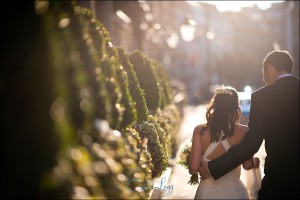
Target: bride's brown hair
(222, 114)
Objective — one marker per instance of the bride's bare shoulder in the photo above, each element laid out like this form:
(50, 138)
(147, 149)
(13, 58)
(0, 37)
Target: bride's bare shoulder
(199, 127)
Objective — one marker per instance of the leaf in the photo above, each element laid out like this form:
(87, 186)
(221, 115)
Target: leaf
(194, 180)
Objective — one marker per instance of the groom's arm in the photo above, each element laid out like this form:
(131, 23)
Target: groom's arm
(249, 145)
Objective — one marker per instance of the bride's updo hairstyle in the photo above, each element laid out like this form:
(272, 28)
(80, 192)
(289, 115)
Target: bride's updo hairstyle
(222, 114)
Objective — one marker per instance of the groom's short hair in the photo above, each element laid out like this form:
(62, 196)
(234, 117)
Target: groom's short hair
(280, 59)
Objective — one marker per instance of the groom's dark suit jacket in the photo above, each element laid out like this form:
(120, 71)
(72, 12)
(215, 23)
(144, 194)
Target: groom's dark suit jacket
(274, 117)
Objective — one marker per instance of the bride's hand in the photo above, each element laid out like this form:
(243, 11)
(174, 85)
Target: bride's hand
(204, 173)
(252, 163)
(256, 162)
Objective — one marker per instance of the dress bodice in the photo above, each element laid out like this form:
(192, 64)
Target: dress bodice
(233, 174)
(228, 186)
(214, 145)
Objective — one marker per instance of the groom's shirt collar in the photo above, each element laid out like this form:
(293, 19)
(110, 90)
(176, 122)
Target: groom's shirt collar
(283, 75)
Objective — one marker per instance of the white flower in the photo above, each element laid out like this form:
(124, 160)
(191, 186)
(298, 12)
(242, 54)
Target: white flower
(189, 149)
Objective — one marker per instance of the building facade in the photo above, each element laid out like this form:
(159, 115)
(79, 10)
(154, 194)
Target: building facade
(226, 47)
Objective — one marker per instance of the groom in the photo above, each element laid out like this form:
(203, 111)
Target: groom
(274, 117)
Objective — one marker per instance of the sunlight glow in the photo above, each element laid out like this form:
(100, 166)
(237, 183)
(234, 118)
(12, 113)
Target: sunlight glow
(64, 22)
(173, 40)
(276, 46)
(187, 32)
(123, 16)
(236, 6)
(210, 35)
(247, 89)
(41, 6)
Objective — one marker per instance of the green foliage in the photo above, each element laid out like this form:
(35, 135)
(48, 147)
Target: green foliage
(123, 112)
(139, 148)
(136, 92)
(126, 161)
(102, 165)
(130, 114)
(169, 119)
(147, 79)
(165, 90)
(156, 144)
(77, 89)
(107, 66)
(81, 27)
(185, 156)
(97, 92)
(108, 63)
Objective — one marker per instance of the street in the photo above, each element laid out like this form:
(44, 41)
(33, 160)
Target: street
(180, 176)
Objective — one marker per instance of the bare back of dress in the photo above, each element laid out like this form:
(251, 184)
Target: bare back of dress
(228, 186)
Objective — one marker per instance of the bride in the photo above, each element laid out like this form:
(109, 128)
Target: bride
(213, 139)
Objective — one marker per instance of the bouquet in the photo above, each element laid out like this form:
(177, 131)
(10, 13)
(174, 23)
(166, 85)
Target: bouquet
(184, 156)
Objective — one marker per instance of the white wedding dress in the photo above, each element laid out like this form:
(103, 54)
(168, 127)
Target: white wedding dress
(228, 186)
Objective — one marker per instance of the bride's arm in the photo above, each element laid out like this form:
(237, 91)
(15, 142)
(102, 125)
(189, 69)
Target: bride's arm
(252, 162)
(196, 152)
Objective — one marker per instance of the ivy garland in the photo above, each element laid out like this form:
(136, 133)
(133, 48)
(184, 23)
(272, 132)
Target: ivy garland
(138, 95)
(102, 88)
(88, 51)
(168, 120)
(76, 159)
(146, 76)
(150, 130)
(164, 88)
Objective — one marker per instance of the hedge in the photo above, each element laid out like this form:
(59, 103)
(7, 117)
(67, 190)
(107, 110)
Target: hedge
(88, 131)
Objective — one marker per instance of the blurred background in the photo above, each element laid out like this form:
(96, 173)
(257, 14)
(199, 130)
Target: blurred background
(203, 43)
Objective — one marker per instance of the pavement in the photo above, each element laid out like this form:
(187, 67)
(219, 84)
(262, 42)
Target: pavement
(179, 177)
